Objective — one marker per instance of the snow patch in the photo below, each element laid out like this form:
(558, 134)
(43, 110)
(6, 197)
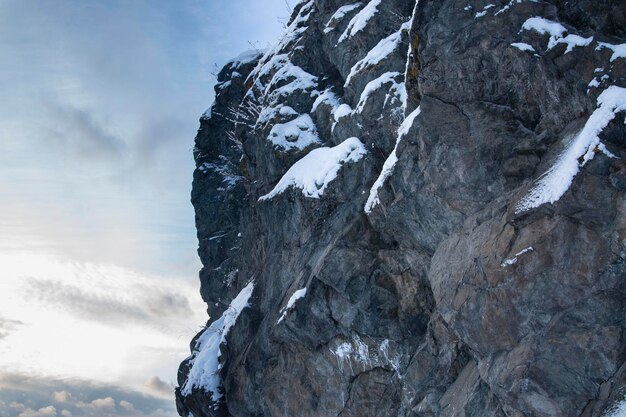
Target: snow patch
(557, 180)
(318, 168)
(509, 5)
(484, 12)
(382, 50)
(390, 162)
(208, 113)
(389, 77)
(574, 40)
(205, 360)
(555, 30)
(292, 301)
(619, 51)
(618, 410)
(358, 352)
(297, 78)
(393, 361)
(523, 47)
(298, 133)
(339, 15)
(544, 26)
(247, 57)
(355, 350)
(595, 83)
(342, 110)
(513, 260)
(222, 85)
(327, 97)
(358, 22)
(339, 109)
(225, 169)
(268, 113)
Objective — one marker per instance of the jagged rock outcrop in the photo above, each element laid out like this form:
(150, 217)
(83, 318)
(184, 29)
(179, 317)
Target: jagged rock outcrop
(416, 209)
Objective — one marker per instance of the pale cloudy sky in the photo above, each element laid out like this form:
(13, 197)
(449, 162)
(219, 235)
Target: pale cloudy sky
(98, 266)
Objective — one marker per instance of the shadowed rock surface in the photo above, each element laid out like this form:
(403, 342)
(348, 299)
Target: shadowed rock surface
(427, 200)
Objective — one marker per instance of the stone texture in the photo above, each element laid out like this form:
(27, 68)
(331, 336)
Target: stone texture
(443, 300)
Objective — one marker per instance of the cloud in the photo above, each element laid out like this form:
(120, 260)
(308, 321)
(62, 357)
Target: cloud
(49, 411)
(151, 306)
(30, 396)
(127, 406)
(159, 387)
(111, 295)
(77, 129)
(61, 396)
(99, 406)
(7, 326)
(78, 302)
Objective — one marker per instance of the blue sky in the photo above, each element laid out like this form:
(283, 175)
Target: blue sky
(100, 105)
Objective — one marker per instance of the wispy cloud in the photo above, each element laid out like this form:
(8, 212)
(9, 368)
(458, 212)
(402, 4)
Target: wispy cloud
(135, 304)
(7, 326)
(77, 130)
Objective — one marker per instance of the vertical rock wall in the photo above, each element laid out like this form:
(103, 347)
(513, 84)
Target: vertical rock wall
(416, 209)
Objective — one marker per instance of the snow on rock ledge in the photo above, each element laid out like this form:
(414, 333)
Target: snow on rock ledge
(205, 361)
(298, 133)
(318, 168)
(339, 15)
(382, 50)
(557, 180)
(555, 30)
(390, 162)
(292, 301)
(397, 90)
(358, 22)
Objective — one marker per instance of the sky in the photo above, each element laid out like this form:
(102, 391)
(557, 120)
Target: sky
(99, 295)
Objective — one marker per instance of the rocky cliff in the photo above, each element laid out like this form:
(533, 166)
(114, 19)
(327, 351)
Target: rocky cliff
(416, 208)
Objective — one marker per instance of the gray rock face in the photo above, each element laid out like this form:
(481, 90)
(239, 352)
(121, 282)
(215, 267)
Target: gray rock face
(416, 209)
